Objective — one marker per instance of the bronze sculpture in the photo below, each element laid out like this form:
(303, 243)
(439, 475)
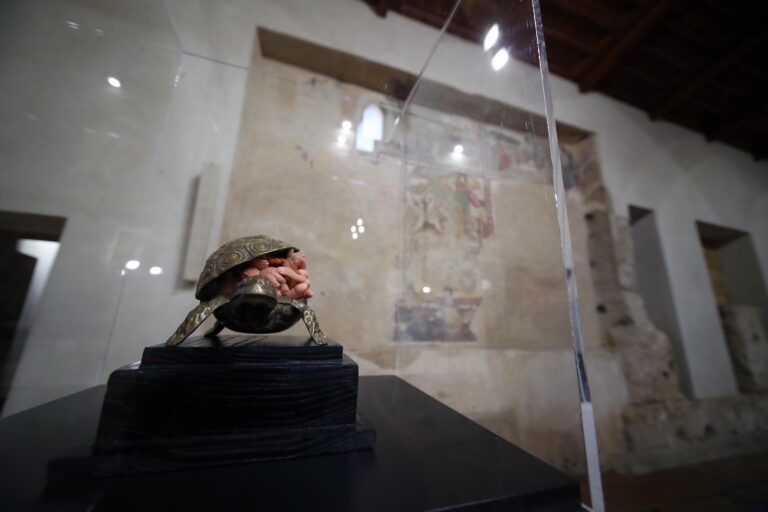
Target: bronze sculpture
(254, 284)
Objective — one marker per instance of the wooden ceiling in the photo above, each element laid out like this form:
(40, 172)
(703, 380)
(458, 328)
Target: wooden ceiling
(698, 63)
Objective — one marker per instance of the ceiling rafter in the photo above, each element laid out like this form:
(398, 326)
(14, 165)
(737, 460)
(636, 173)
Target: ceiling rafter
(727, 55)
(654, 54)
(650, 16)
(744, 115)
(574, 9)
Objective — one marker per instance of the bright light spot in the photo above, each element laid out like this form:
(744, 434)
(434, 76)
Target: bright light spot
(354, 236)
(426, 289)
(353, 229)
(359, 222)
(342, 139)
(132, 264)
(491, 37)
(370, 129)
(346, 125)
(500, 59)
(458, 149)
(98, 32)
(73, 25)
(114, 82)
(122, 272)
(155, 271)
(361, 229)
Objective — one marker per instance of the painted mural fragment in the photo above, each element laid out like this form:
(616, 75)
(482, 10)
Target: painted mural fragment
(446, 217)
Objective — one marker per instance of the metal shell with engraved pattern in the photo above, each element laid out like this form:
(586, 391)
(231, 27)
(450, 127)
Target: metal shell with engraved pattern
(254, 306)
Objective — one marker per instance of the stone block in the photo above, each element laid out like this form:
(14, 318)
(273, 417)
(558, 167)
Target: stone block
(748, 345)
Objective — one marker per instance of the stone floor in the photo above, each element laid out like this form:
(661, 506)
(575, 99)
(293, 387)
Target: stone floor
(729, 485)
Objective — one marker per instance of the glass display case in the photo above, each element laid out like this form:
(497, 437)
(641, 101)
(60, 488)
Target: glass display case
(412, 155)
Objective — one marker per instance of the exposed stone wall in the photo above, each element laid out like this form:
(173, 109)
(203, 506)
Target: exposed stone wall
(662, 428)
(747, 342)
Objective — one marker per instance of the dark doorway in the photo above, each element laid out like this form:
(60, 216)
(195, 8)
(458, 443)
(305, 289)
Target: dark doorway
(28, 244)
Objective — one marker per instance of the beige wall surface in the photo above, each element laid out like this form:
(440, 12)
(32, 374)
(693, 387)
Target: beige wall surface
(293, 179)
(120, 166)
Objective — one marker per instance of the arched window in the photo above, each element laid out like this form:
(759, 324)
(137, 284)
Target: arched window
(369, 129)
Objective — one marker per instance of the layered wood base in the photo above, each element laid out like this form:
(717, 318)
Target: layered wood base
(234, 399)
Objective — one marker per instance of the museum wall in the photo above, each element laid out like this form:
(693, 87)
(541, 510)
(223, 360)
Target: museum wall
(124, 168)
(651, 164)
(292, 178)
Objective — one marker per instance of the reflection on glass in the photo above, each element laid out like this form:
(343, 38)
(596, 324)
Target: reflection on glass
(500, 59)
(491, 37)
(370, 129)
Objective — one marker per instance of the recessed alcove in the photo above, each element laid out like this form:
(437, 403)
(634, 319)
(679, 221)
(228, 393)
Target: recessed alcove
(740, 293)
(653, 283)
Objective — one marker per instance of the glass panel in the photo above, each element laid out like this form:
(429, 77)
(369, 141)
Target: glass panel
(412, 165)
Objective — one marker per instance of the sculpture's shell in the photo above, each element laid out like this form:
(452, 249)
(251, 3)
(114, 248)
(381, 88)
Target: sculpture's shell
(232, 254)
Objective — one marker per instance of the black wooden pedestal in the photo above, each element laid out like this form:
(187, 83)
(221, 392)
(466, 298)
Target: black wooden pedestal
(230, 399)
(427, 457)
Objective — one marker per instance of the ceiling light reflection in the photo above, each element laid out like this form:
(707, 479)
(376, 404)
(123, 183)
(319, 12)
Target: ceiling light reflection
(491, 37)
(346, 125)
(500, 59)
(354, 236)
(132, 264)
(342, 139)
(361, 229)
(155, 271)
(426, 289)
(114, 82)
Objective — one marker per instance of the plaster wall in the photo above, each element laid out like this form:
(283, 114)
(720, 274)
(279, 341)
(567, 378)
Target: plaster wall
(184, 68)
(652, 164)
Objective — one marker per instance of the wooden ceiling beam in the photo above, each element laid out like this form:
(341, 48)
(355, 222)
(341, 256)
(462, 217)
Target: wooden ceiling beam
(573, 9)
(382, 8)
(690, 36)
(554, 31)
(744, 115)
(728, 55)
(651, 14)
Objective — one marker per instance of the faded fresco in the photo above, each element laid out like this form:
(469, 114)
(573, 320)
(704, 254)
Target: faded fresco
(448, 215)
(446, 219)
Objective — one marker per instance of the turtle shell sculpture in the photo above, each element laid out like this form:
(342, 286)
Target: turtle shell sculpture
(254, 284)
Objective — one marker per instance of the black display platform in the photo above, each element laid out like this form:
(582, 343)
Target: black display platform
(223, 400)
(427, 457)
